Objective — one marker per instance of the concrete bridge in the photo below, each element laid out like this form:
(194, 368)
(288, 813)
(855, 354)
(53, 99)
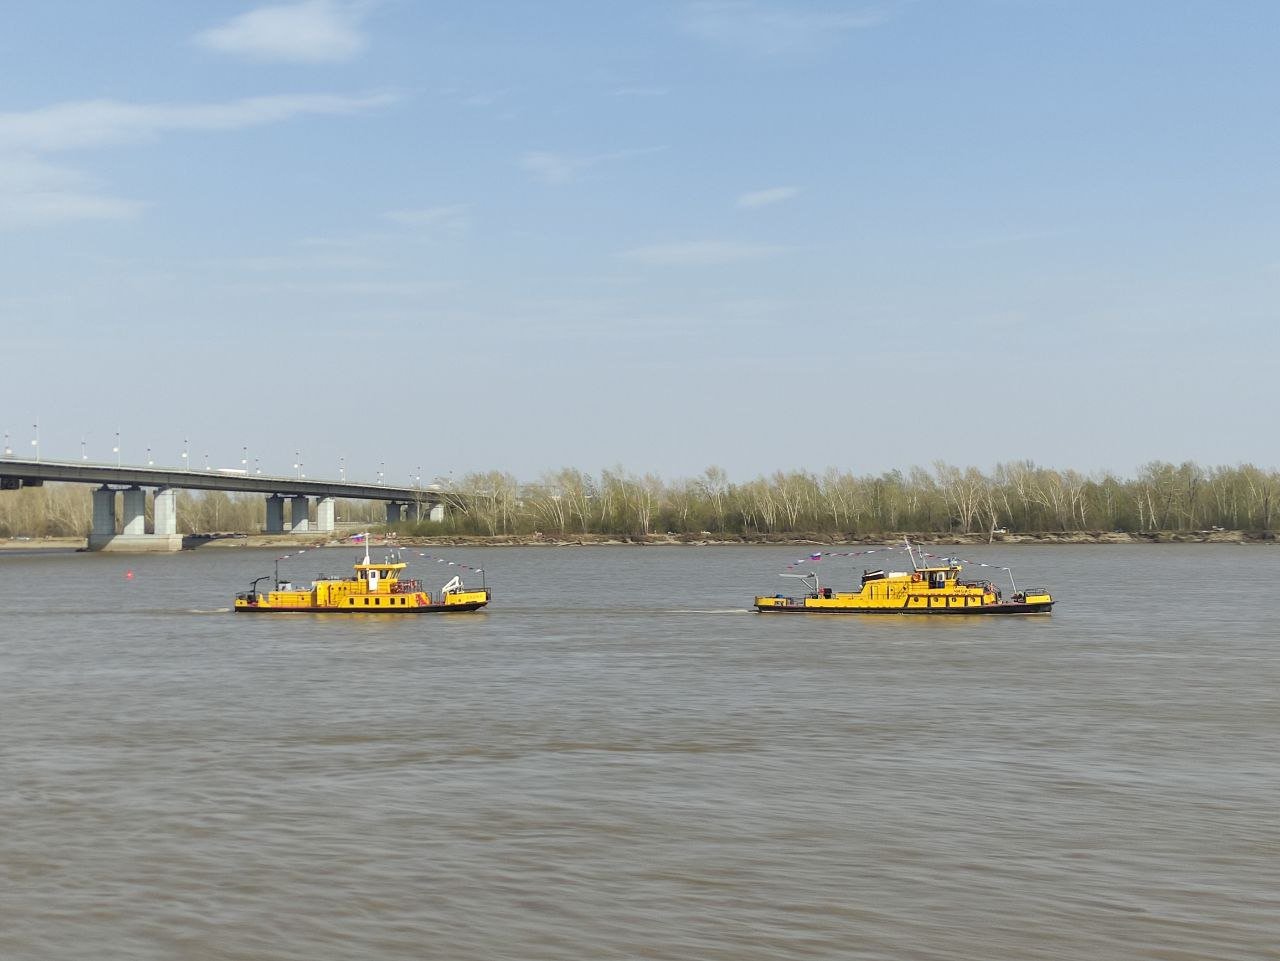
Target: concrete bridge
(130, 485)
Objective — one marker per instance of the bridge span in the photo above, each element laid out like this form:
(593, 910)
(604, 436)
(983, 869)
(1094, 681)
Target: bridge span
(131, 484)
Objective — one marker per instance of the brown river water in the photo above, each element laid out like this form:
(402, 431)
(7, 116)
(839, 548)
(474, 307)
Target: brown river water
(617, 760)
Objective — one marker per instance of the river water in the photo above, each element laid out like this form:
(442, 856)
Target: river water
(617, 760)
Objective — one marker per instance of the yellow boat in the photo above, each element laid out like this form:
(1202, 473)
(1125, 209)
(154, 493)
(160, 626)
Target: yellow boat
(375, 589)
(924, 589)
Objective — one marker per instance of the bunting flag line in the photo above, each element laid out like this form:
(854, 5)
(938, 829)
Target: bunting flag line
(947, 559)
(431, 557)
(441, 560)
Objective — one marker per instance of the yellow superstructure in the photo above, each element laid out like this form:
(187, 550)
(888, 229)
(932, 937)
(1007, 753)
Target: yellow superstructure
(922, 590)
(375, 589)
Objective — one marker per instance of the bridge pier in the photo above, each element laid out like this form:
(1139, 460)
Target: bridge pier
(104, 518)
(133, 535)
(324, 515)
(395, 512)
(165, 509)
(299, 508)
(275, 515)
(135, 513)
(430, 510)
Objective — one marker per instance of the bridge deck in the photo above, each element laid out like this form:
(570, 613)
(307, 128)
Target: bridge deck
(13, 470)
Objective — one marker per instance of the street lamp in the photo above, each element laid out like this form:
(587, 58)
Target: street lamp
(297, 456)
(36, 440)
(83, 455)
(257, 465)
(380, 466)
(342, 469)
(116, 450)
(206, 460)
(244, 457)
(150, 462)
(186, 454)
(8, 451)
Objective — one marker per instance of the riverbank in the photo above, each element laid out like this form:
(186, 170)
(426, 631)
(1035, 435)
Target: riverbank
(819, 540)
(202, 542)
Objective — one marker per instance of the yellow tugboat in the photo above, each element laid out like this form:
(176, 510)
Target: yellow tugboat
(922, 590)
(375, 589)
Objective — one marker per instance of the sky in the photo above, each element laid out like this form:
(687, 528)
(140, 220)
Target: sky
(429, 239)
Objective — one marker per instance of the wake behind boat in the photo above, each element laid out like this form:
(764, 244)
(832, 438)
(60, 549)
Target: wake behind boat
(375, 589)
(924, 589)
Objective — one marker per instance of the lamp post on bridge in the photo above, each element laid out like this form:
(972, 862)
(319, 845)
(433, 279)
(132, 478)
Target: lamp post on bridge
(342, 469)
(297, 456)
(83, 455)
(150, 462)
(8, 451)
(116, 450)
(186, 454)
(244, 458)
(36, 440)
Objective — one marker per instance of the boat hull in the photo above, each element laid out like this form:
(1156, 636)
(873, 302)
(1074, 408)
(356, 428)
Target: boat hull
(424, 609)
(987, 609)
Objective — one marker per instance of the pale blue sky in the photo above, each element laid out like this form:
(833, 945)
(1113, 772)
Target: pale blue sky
(662, 235)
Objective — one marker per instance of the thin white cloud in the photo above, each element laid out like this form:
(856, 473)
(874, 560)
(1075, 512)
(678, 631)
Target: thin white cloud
(34, 191)
(551, 168)
(764, 198)
(699, 253)
(314, 31)
(94, 123)
(310, 261)
(450, 217)
(486, 98)
(638, 91)
(772, 29)
(558, 168)
(322, 289)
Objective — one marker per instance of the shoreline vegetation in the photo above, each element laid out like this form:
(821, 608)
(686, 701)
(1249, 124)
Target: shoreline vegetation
(1013, 503)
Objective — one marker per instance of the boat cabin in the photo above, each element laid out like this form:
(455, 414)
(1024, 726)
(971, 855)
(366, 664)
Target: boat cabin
(379, 578)
(936, 578)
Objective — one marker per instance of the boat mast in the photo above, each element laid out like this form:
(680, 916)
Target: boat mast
(806, 576)
(911, 553)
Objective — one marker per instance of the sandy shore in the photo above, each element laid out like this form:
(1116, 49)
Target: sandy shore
(221, 542)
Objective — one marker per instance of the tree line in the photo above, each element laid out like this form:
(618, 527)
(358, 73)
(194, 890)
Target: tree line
(1018, 497)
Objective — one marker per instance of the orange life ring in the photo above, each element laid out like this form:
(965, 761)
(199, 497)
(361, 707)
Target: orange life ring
(915, 577)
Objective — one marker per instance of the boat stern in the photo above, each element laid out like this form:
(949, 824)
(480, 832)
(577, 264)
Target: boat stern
(1036, 600)
(465, 600)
